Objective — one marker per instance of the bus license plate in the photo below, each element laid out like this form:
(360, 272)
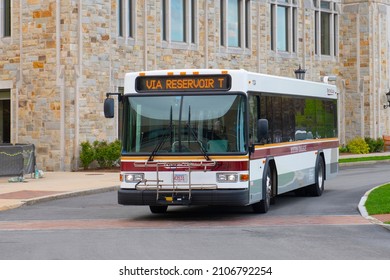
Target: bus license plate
(180, 178)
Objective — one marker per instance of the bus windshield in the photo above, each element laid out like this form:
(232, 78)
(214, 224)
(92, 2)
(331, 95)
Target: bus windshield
(191, 124)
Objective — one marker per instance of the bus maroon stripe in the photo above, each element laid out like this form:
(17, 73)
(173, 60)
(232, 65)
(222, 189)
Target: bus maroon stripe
(220, 166)
(292, 149)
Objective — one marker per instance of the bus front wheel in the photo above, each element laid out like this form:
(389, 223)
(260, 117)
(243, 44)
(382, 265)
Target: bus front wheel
(158, 209)
(268, 183)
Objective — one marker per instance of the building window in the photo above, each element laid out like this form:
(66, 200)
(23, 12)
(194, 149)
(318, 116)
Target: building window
(5, 116)
(179, 21)
(126, 18)
(5, 18)
(235, 23)
(131, 18)
(284, 25)
(326, 27)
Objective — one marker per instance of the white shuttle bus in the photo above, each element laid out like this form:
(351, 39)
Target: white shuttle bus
(223, 137)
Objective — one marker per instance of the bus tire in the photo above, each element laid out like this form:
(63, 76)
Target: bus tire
(318, 187)
(158, 209)
(268, 185)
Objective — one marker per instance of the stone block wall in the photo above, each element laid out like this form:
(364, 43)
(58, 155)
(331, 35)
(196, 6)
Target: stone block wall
(63, 56)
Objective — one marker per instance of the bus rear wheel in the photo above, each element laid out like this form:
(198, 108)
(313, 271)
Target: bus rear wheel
(318, 187)
(268, 184)
(158, 209)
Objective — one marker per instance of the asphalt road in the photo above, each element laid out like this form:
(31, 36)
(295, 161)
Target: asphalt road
(95, 227)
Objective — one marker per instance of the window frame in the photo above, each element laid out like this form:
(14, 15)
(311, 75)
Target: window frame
(290, 34)
(6, 18)
(190, 23)
(126, 22)
(329, 8)
(244, 20)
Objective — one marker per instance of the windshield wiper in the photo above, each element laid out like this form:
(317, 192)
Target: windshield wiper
(195, 136)
(206, 156)
(168, 132)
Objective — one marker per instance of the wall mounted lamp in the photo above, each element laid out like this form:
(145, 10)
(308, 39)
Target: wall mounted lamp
(388, 100)
(300, 73)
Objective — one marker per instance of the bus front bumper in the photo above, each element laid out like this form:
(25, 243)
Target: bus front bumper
(198, 197)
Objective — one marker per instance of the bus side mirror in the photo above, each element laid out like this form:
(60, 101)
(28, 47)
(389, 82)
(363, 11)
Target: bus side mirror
(109, 108)
(262, 130)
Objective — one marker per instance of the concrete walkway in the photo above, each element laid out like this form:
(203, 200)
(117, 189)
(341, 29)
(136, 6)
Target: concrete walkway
(54, 185)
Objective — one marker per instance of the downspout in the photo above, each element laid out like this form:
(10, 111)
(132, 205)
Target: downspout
(360, 82)
(206, 35)
(78, 73)
(19, 80)
(373, 83)
(303, 37)
(146, 37)
(259, 68)
(60, 85)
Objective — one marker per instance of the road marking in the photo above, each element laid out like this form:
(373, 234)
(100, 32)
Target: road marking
(168, 223)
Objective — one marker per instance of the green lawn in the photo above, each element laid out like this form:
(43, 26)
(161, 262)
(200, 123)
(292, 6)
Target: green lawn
(378, 201)
(359, 159)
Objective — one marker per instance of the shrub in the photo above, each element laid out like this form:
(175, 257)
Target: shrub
(375, 145)
(343, 149)
(380, 145)
(87, 154)
(114, 152)
(101, 150)
(107, 154)
(358, 146)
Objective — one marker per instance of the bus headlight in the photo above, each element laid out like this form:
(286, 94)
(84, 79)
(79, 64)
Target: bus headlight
(133, 177)
(227, 177)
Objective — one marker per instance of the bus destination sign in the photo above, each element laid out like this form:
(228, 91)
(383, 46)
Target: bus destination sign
(182, 83)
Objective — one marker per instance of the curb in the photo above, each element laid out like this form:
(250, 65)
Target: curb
(363, 211)
(11, 206)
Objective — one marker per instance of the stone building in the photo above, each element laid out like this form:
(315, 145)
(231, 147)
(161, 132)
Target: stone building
(58, 58)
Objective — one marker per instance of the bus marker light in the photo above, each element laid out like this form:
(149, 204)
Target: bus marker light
(244, 177)
(169, 198)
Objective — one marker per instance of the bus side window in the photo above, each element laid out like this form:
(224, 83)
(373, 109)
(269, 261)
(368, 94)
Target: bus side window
(254, 115)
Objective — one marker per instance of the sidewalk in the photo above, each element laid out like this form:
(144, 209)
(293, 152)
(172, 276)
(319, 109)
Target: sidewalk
(54, 185)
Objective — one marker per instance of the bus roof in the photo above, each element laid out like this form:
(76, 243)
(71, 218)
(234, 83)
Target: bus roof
(243, 81)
